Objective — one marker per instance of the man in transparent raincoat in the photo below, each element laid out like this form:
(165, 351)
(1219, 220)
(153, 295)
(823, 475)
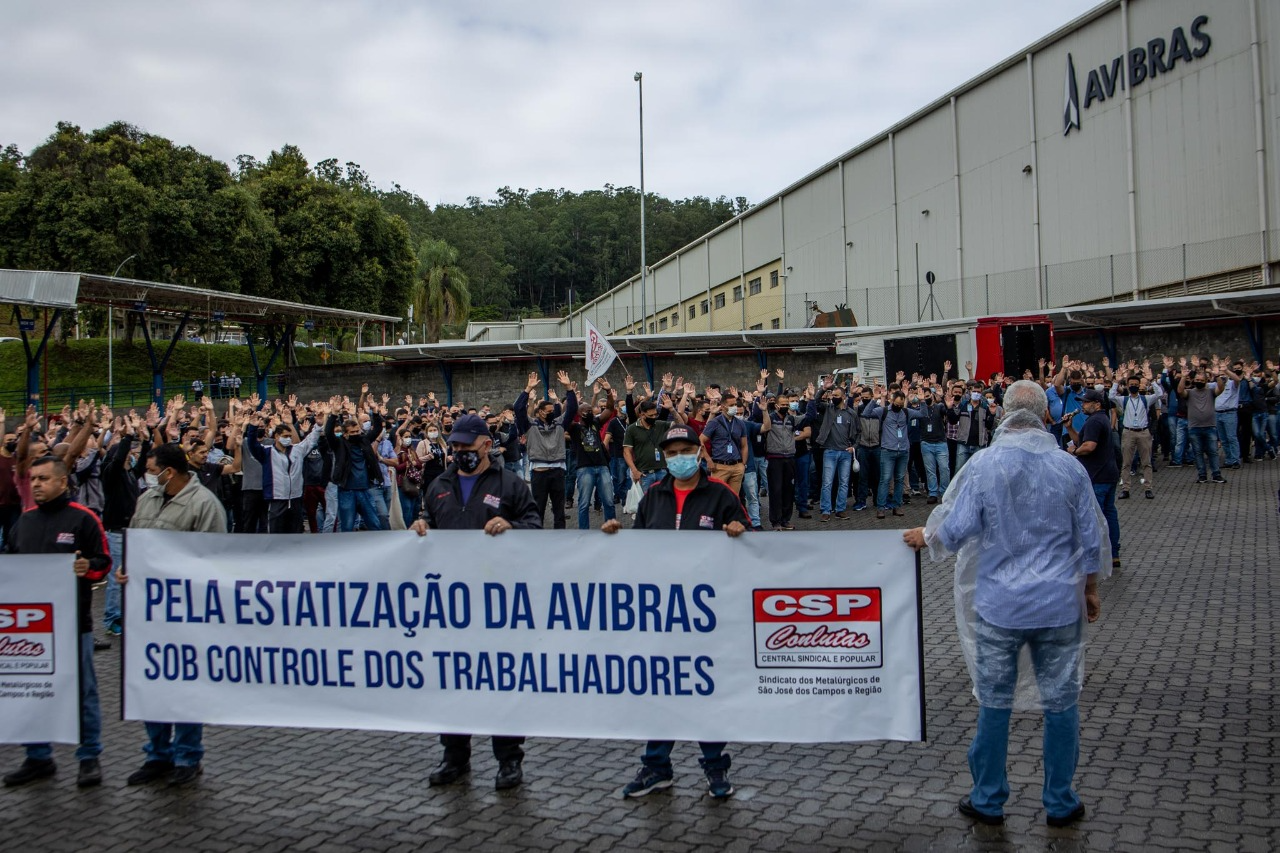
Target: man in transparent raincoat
(1031, 546)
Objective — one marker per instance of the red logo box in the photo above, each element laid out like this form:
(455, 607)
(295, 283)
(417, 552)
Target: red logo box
(26, 639)
(827, 628)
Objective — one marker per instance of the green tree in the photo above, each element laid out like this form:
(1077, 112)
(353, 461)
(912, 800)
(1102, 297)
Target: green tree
(440, 295)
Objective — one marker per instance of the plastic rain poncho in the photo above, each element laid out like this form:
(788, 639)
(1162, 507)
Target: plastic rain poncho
(1022, 518)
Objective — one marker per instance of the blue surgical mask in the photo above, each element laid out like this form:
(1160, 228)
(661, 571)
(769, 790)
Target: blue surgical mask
(793, 406)
(684, 466)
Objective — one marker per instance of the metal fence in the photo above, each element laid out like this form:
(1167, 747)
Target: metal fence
(119, 397)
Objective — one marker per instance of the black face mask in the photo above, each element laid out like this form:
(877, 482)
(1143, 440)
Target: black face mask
(1075, 386)
(11, 446)
(1133, 389)
(354, 439)
(468, 460)
(1200, 384)
(897, 407)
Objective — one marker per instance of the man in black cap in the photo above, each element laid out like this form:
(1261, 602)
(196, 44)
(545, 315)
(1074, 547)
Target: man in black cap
(474, 493)
(684, 499)
(1092, 445)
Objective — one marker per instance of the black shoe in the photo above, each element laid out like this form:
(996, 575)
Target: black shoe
(510, 775)
(31, 770)
(449, 771)
(185, 775)
(1150, 495)
(1218, 479)
(1123, 496)
(90, 773)
(1200, 481)
(150, 772)
(966, 808)
(1066, 820)
(806, 515)
(931, 500)
(1236, 467)
(101, 645)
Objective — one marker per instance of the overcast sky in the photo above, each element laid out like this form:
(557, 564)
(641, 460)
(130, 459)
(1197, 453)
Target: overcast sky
(457, 99)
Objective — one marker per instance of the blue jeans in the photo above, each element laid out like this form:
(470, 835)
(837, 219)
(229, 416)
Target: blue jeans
(409, 506)
(1106, 496)
(1204, 444)
(751, 494)
(937, 468)
(1260, 443)
(835, 470)
(1227, 425)
(1055, 655)
(657, 756)
(180, 744)
(329, 523)
(648, 480)
(351, 501)
(90, 711)
(594, 478)
(1179, 440)
(111, 612)
(803, 460)
(893, 467)
(963, 452)
(621, 480)
(869, 475)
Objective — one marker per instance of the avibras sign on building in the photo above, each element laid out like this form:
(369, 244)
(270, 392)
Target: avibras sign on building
(1133, 69)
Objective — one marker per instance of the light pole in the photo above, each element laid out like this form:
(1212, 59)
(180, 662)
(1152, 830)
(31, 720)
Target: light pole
(644, 270)
(111, 334)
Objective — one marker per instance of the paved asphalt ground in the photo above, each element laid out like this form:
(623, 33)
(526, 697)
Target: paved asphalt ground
(1179, 742)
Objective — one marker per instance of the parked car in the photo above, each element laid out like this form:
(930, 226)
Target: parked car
(8, 340)
(325, 345)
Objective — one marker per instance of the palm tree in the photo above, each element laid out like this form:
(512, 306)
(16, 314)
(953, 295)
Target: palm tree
(441, 294)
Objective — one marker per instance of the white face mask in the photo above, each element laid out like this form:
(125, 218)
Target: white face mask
(285, 441)
(1099, 387)
(152, 480)
(732, 411)
(975, 396)
(433, 434)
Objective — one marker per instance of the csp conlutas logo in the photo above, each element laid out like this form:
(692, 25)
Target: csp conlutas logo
(818, 628)
(26, 639)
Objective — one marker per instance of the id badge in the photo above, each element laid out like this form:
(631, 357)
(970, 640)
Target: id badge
(928, 427)
(839, 419)
(657, 456)
(899, 432)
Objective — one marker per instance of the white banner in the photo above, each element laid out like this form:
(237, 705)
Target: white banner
(600, 353)
(39, 650)
(645, 634)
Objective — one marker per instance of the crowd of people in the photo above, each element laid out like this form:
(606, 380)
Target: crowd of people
(751, 458)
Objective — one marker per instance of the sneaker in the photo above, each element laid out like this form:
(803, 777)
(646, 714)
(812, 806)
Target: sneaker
(1115, 563)
(879, 514)
(1149, 495)
(31, 770)
(150, 772)
(897, 511)
(90, 773)
(859, 507)
(647, 781)
(825, 517)
(806, 514)
(115, 629)
(931, 500)
(842, 515)
(185, 775)
(1200, 481)
(510, 774)
(1174, 465)
(787, 527)
(1217, 478)
(1271, 455)
(718, 784)
(1235, 467)
(757, 529)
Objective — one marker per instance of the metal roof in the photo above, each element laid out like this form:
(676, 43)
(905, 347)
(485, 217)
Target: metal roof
(687, 343)
(46, 289)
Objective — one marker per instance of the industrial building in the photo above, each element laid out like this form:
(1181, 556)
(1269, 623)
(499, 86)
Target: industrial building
(1131, 154)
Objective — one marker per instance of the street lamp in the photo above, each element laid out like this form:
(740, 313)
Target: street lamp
(111, 334)
(644, 270)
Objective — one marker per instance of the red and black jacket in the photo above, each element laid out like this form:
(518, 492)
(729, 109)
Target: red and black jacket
(62, 526)
(711, 505)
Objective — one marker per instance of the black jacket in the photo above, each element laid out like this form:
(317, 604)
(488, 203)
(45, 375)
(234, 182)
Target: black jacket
(120, 483)
(497, 492)
(710, 506)
(63, 527)
(342, 451)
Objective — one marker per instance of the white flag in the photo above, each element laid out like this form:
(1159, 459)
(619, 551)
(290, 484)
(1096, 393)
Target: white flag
(600, 353)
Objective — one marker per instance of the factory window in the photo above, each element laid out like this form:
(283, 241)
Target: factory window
(773, 279)
(693, 310)
(775, 323)
(662, 324)
(756, 328)
(651, 328)
(706, 306)
(737, 293)
(719, 300)
(753, 287)
(675, 319)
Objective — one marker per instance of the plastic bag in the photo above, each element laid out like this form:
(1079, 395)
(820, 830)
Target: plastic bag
(632, 503)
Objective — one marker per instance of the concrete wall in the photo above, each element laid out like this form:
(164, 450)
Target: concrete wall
(1227, 339)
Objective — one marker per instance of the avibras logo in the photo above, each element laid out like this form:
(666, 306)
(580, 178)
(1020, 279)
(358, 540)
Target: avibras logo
(1132, 69)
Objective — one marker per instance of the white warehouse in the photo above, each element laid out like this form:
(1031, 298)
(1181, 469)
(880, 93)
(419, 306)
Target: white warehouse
(1130, 154)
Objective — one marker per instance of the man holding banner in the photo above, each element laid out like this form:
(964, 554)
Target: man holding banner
(684, 500)
(475, 494)
(57, 525)
(179, 502)
(1031, 545)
